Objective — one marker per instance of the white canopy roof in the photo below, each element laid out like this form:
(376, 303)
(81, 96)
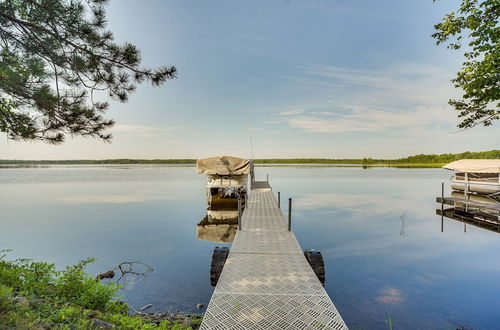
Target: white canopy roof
(475, 165)
(223, 165)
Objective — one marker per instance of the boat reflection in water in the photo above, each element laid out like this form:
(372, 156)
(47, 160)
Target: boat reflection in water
(218, 226)
(226, 191)
(476, 196)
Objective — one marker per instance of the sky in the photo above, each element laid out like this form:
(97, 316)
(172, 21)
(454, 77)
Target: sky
(282, 79)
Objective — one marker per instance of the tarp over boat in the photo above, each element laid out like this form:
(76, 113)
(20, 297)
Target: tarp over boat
(224, 165)
(475, 166)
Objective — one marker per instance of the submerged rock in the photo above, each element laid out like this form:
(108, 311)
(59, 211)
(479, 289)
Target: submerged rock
(108, 274)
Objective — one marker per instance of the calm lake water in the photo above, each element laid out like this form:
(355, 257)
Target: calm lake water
(384, 252)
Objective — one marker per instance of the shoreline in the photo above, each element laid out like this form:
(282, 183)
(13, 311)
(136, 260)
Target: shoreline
(361, 165)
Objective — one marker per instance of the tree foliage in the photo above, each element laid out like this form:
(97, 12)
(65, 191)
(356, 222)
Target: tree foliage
(54, 56)
(476, 23)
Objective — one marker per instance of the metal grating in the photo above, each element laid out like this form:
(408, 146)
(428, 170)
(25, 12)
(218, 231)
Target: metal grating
(261, 185)
(240, 311)
(266, 242)
(266, 282)
(282, 274)
(269, 223)
(262, 212)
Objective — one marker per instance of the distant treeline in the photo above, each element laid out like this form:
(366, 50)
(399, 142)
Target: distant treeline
(416, 159)
(447, 158)
(101, 161)
(412, 160)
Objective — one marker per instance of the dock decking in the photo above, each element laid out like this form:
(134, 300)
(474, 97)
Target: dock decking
(267, 282)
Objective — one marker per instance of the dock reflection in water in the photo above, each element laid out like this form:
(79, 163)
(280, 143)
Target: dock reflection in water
(473, 209)
(218, 226)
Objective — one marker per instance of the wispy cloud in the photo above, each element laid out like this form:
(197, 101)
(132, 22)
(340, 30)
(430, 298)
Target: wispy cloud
(142, 130)
(361, 119)
(292, 112)
(409, 97)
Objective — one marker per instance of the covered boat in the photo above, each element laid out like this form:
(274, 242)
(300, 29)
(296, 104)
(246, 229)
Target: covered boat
(476, 175)
(227, 179)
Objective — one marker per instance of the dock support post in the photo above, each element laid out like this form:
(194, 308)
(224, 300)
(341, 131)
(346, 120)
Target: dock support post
(279, 199)
(442, 206)
(239, 213)
(289, 214)
(267, 177)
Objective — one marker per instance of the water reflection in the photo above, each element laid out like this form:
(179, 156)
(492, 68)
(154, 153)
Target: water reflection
(226, 194)
(470, 208)
(218, 226)
(428, 280)
(127, 274)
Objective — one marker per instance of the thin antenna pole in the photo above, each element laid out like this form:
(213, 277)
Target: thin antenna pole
(250, 132)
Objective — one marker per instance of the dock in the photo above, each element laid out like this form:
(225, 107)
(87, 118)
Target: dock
(266, 282)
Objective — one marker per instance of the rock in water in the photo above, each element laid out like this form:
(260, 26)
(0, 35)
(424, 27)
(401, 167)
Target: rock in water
(108, 274)
(200, 306)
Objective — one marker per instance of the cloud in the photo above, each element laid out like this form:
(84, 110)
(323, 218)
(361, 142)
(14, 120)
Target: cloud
(292, 112)
(390, 295)
(142, 130)
(361, 119)
(410, 98)
(405, 82)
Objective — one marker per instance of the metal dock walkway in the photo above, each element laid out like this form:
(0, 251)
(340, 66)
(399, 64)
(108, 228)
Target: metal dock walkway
(267, 282)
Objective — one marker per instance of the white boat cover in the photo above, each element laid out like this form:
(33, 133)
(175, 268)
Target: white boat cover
(223, 165)
(475, 166)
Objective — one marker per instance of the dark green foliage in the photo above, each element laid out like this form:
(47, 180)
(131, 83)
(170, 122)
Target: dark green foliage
(54, 56)
(74, 285)
(476, 22)
(66, 299)
(448, 158)
(42, 280)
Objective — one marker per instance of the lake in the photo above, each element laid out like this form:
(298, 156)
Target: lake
(385, 255)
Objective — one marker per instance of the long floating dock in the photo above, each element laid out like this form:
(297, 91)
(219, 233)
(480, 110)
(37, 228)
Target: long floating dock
(266, 282)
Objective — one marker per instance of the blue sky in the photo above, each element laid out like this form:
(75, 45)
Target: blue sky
(334, 79)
